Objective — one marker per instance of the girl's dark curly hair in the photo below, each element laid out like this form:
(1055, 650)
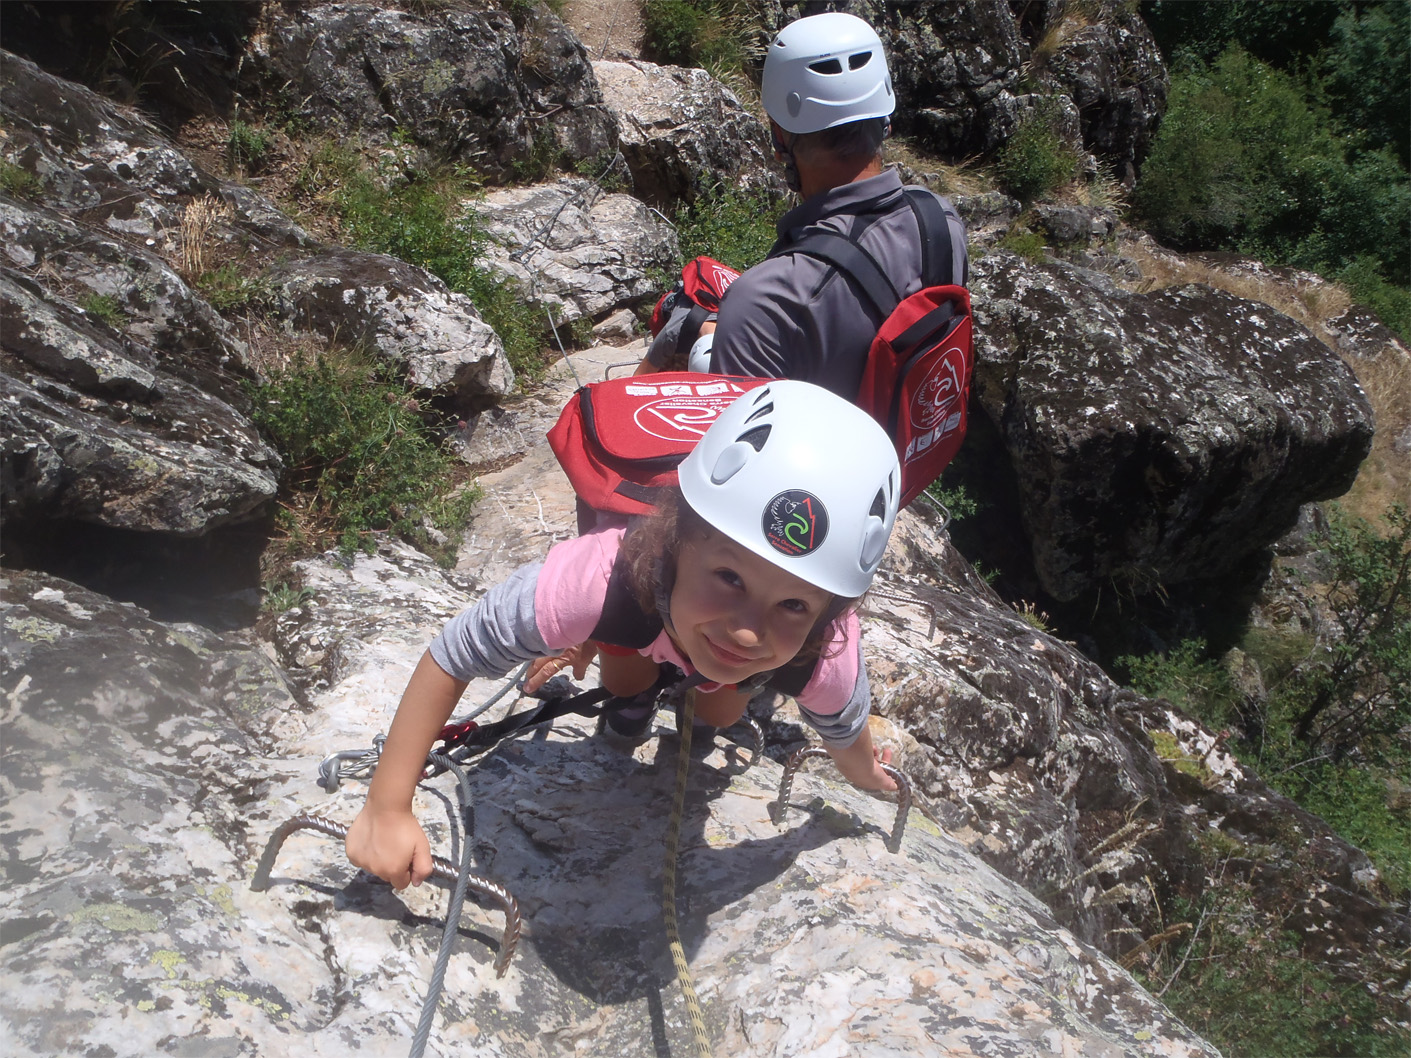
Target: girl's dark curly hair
(650, 548)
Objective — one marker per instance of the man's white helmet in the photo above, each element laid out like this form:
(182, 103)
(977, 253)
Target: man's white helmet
(801, 477)
(826, 70)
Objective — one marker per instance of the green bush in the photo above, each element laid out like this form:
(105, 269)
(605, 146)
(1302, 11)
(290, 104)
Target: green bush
(355, 444)
(1252, 993)
(248, 146)
(1035, 160)
(710, 34)
(18, 181)
(106, 308)
(227, 289)
(733, 226)
(1187, 677)
(1246, 159)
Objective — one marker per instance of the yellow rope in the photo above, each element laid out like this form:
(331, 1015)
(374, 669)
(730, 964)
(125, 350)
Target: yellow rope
(673, 839)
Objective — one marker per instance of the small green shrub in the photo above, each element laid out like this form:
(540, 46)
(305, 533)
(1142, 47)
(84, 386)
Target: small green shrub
(733, 226)
(1027, 244)
(248, 147)
(277, 598)
(1036, 160)
(1391, 303)
(227, 289)
(1187, 677)
(1251, 991)
(355, 444)
(956, 499)
(425, 223)
(106, 308)
(18, 181)
(711, 34)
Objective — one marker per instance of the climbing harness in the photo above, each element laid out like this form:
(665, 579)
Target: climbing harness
(464, 738)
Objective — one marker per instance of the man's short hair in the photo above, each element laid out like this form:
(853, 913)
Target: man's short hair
(853, 139)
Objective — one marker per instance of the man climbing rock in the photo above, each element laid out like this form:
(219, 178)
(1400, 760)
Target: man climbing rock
(829, 98)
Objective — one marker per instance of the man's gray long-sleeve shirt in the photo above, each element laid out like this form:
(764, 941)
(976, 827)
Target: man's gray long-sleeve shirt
(794, 316)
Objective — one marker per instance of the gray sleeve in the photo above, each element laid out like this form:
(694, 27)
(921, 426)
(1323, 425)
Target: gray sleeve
(496, 634)
(842, 728)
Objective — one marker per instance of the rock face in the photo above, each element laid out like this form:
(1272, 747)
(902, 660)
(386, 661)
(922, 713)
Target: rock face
(682, 132)
(130, 927)
(574, 248)
(462, 84)
(1112, 71)
(1160, 437)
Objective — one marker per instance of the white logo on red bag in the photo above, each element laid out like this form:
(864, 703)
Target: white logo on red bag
(723, 277)
(685, 417)
(939, 390)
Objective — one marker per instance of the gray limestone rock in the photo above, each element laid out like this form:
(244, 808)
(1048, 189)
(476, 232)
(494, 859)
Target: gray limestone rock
(573, 247)
(97, 427)
(143, 777)
(682, 132)
(399, 312)
(462, 84)
(1156, 437)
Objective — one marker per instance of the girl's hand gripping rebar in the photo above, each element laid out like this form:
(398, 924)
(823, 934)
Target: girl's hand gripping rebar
(441, 870)
(786, 786)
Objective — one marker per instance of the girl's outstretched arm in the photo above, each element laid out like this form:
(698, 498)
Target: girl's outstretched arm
(861, 763)
(385, 838)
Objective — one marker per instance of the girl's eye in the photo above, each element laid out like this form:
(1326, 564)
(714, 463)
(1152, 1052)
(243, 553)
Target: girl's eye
(730, 577)
(798, 606)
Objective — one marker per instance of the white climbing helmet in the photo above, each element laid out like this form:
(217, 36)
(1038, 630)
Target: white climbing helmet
(826, 70)
(801, 477)
(699, 357)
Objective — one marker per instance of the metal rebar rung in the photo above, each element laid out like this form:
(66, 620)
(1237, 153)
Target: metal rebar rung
(441, 870)
(786, 786)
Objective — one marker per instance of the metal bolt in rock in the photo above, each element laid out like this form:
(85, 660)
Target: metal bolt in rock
(441, 870)
(786, 785)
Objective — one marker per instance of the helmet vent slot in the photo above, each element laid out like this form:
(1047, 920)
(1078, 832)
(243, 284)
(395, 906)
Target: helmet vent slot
(859, 60)
(826, 66)
(755, 438)
(879, 505)
(762, 410)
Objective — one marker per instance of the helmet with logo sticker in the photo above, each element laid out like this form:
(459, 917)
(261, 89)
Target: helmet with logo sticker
(801, 477)
(826, 70)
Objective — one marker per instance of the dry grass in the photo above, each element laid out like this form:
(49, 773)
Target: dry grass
(962, 179)
(196, 221)
(1385, 476)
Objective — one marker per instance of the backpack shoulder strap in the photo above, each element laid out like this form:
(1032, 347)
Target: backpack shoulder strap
(854, 262)
(937, 254)
(623, 622)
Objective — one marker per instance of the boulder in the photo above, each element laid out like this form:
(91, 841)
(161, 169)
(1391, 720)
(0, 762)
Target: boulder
(399, 312)
(571, 246)
(683, 132)
(463, 85)
(130, 926)
(1156, 438)
(99, 426)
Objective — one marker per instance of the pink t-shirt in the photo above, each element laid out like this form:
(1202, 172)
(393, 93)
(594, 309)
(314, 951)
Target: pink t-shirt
(569, 598)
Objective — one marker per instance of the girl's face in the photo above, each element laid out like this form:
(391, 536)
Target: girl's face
(734, 614)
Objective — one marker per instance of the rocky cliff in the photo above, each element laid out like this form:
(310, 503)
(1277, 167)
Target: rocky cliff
(1146, 438)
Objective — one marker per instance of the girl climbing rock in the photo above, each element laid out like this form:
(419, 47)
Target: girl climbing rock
(748, 576)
